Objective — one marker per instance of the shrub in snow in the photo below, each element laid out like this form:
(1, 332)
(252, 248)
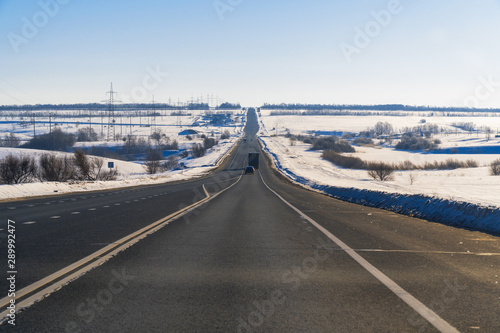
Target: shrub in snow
(347, 136)
(198, 150)
(171, 163)
(209, 143)
(347, 162)
(56, 169)
(382, 128)
(406, 165)
(428, 130)
(449, 164)
(380, 171)
(86, 134)
(495, 168)
(170, 145)
(332, 143)
(411, 142)
(17, 170)
(305, 139)
(153, 161)
(469, 126)
(366, 134)
(361, 141)
(225, 135)
(471, 164)
(57, 140)
(91, 168)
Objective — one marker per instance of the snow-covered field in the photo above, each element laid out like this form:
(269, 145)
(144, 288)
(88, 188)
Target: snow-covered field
(474, 185)
(356, 124)
(130, 173)
(130, 123)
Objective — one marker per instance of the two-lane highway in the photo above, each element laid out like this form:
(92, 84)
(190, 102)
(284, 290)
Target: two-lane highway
(269, 256)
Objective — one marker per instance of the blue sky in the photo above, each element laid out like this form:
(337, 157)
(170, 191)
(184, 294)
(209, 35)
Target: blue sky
(426, 53)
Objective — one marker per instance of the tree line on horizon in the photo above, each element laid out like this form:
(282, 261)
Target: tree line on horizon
(378, 107)
(117, 107)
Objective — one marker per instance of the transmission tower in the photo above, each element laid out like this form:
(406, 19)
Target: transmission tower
(111, 114)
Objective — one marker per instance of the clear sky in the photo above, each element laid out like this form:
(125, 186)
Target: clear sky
(425, 52)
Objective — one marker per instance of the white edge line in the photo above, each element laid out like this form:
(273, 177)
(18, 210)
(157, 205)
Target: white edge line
(128, 241)
(415, 304)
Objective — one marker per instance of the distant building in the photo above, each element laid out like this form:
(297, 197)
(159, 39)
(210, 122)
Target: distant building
(188, 132)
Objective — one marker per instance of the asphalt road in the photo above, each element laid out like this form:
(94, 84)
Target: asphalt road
(247, 262)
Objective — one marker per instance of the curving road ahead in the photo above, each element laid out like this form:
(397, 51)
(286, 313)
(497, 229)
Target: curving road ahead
(261, 255)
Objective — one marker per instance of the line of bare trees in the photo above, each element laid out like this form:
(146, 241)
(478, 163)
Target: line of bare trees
(51, 167)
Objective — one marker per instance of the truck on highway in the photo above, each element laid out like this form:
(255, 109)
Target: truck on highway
(253, 160)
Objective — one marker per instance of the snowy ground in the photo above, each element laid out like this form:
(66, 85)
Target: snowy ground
(130, 173)
(356, 124)
(467, 185)
(126, 123)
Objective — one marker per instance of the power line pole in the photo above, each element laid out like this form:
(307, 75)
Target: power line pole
(111, 114)
(34, 125)
(153, 120)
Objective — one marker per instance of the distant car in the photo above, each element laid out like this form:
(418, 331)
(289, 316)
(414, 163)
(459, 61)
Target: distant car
(249, 169)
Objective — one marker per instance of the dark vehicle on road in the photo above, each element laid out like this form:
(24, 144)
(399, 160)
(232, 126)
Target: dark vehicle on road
(253, 160)
(249, 169)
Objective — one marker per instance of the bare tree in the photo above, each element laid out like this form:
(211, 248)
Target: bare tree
(171, 163)
(495, 168)
(412, 178)
(380, 171)
(157, 136)
(91, 168)
(198, 150)
(86, 134)
(488, 133)
(10, 140)
(57, 169)
(153, 161)
(382, 128)
(16, 170)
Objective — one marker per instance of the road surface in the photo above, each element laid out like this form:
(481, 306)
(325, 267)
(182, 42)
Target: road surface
(264, 255)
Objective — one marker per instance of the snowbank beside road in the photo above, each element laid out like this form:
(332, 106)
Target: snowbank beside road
(320, 175)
